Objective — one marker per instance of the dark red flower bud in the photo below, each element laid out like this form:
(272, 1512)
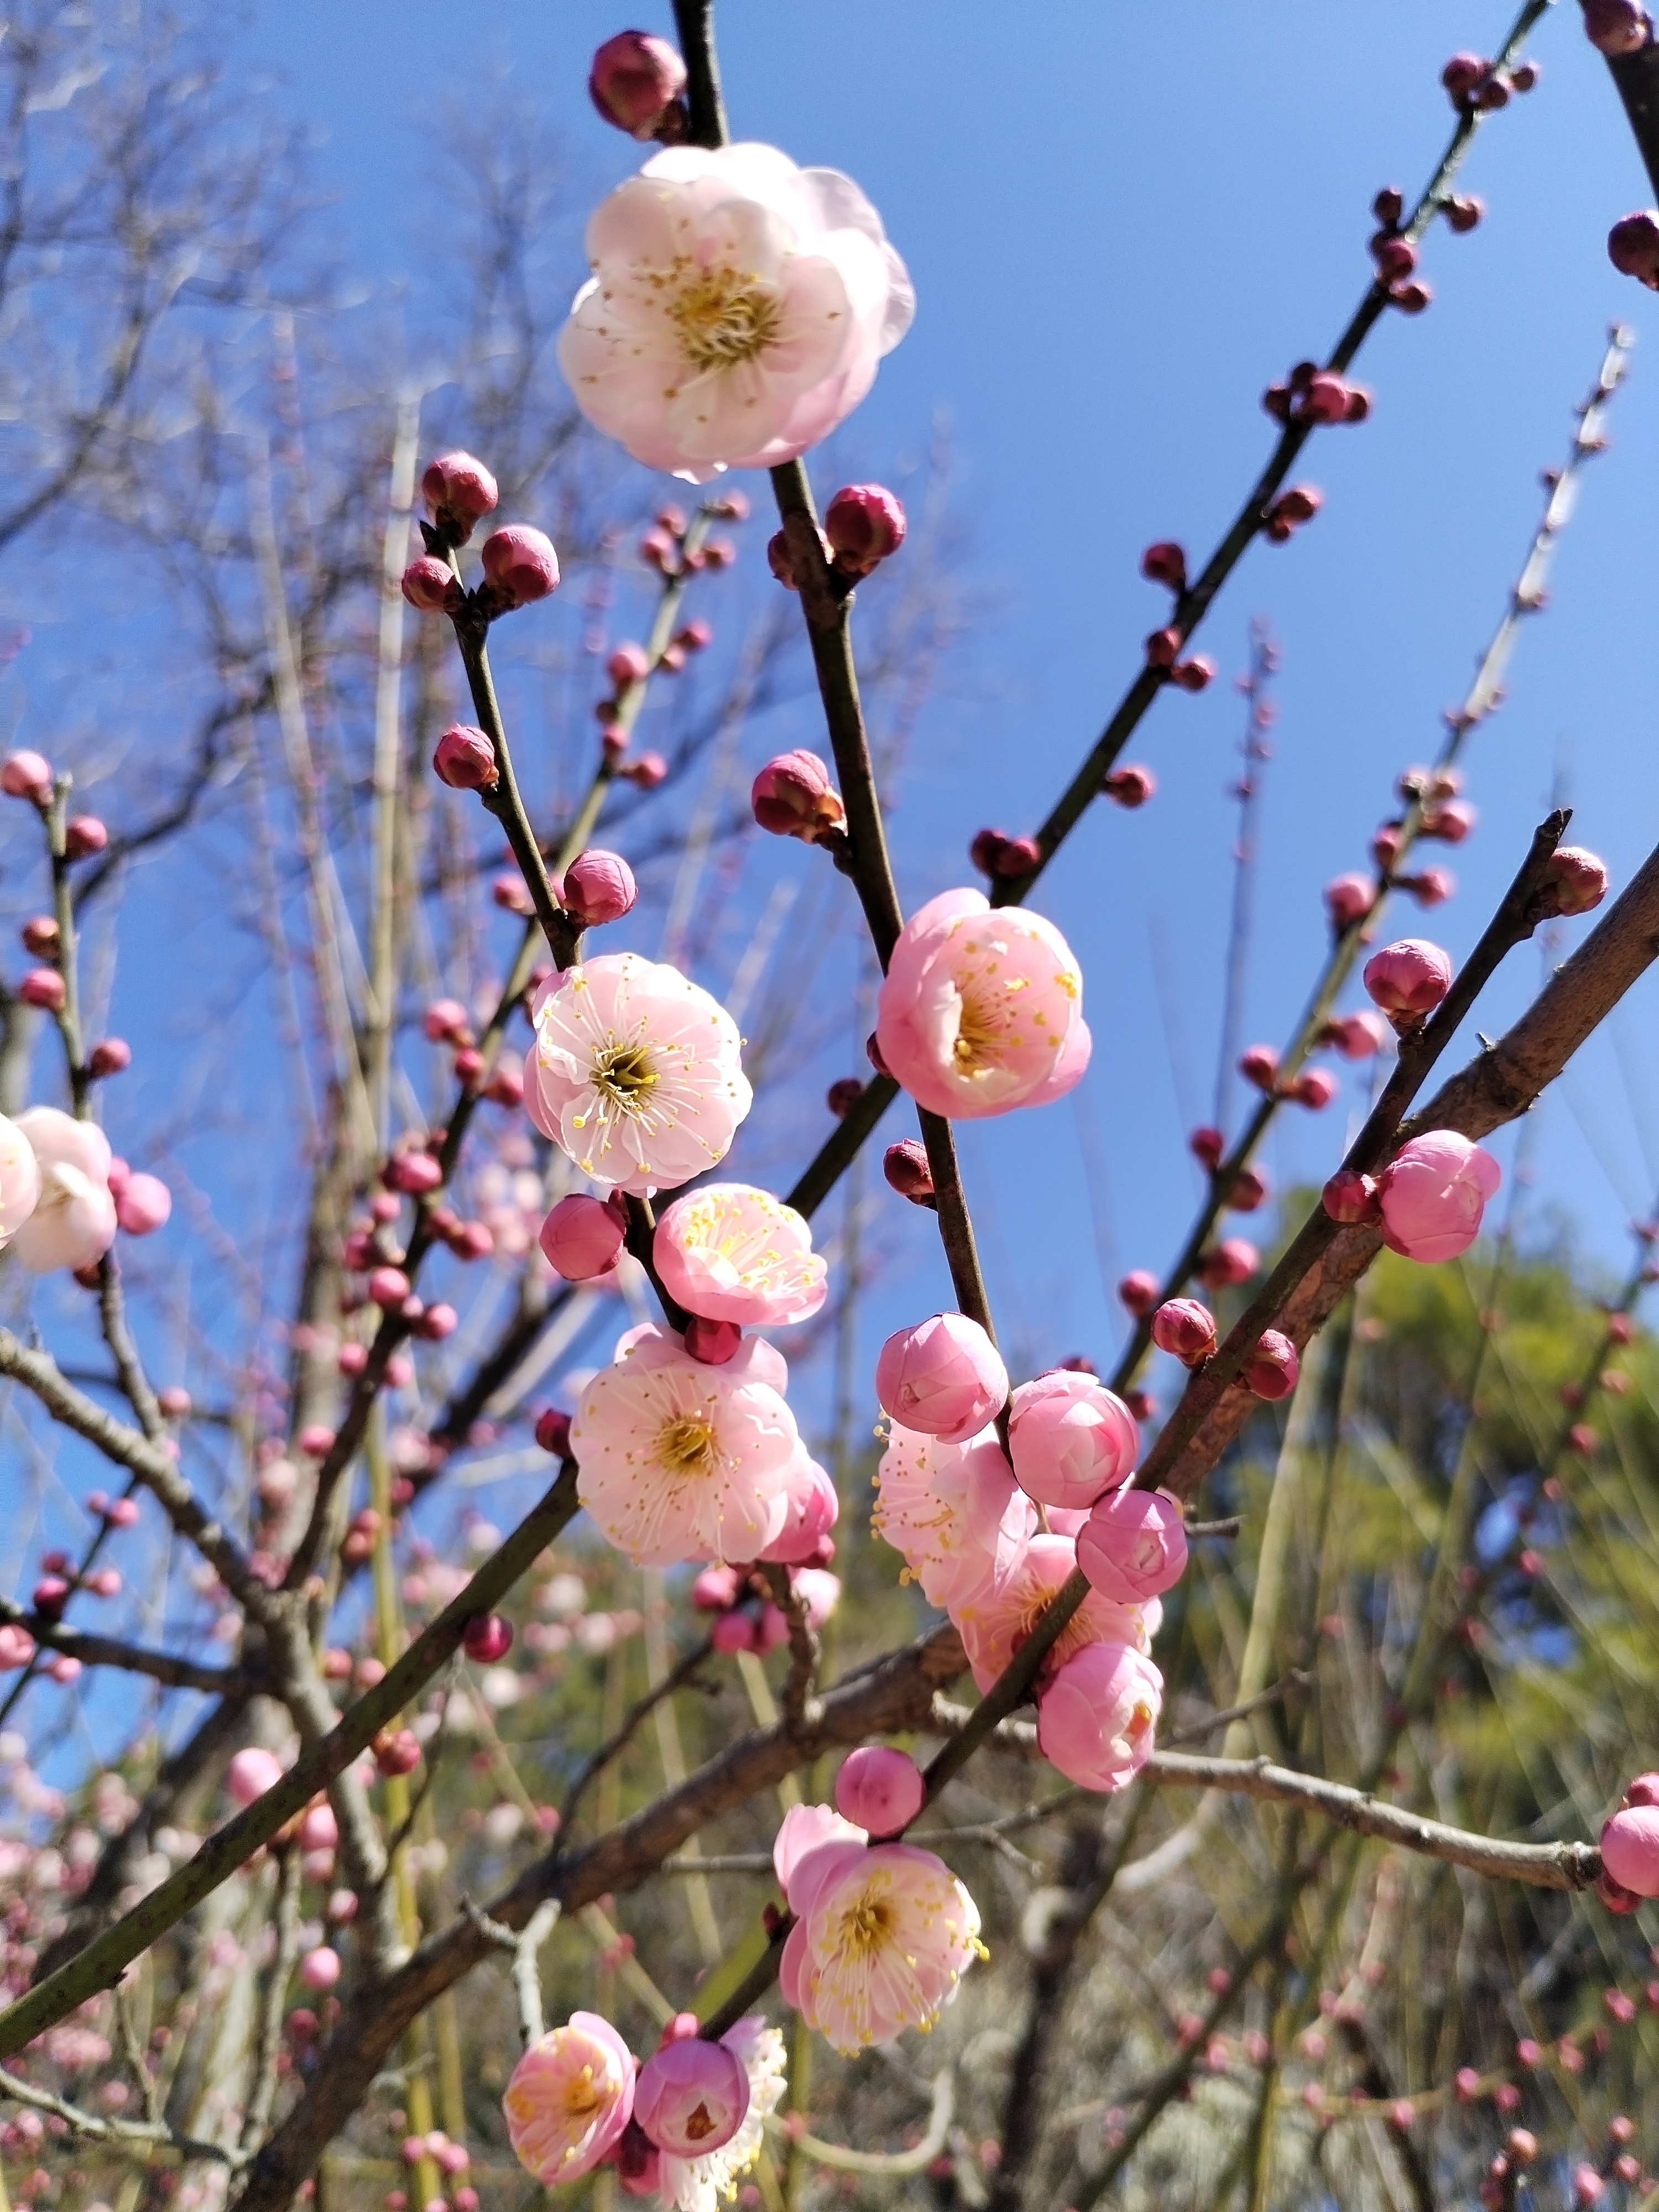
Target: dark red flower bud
(843, 1095)
(1139, 1291)
(1165, 563)
(1207, 1145)
(864, 524)
(553, 1431)
(1130, 786)
(1273, 1367)
(1348, 1197)
(1464, 213)
(636, 82)
(1163, 647)
(1389, 206)
(905, 1166)
(1577, 880)
(113, 1056)
(713, 1342)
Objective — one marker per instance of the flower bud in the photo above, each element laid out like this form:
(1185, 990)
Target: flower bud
(465, 759)
(143, 1204)
(781, 560)
(1164, 648)
(1432, 887)
(1326, 400)
(1349, 1197)
(1385, 845)
(251, 1773)
(1461, 76)
(1194, 675)
(521, 565)
(1349, 899)
(1411, 299)
(1185, 1328)
(1395, 258)
(40, 937)
(1225, 1265)
(792, 796)
(1313, 1089)
(413, 1174)
(1071, 1439)
(1389, 206)
(83, 836)
(1165, 563)
(1132, 1546)
(396, 1751)
(26, 775)
(598, 887)
(511, 894)
(1130, 786)
(486, 1638)
(1273, 1367)
(944, 1377)
(432, 586)
(388, 1287)
(695, 637)
(1464, 212)
(1615, 28)
(1259, 1064)
(1408, 979)
(691, 2097)
(1576, 880)
(111, 1056)
(864, 524)
(879, 1790)
(44, 987)
(1208, 1145)
(646, 772)
(905, 1166)
(843, 1095)
(553, 1431)
(582, 1238)
(1433, 1194)
(1452, 821)
(635, 81)
(713, 1342)
(628, 664)
(1248, 1191)
(1139, 1291)
(1018, 856)
(459, 491)
(435, 1323)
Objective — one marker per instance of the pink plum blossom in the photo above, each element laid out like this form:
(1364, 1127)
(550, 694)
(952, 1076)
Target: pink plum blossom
(1433, 1193)
(736, 311)
(982, 1010)
(879, 1790)
(731, 1252)
(710, 2180)
(805, 1512)
(691, 2096)
(996, 1622)
(882, 1936)
(1070, 1438)
(1133, 1546)
(637, 1073)
(1096, 1719)
(953, 1512)
(20, 1180)
(944, 1377)
(569, 2099)
(73, 1222)
(679, 1460)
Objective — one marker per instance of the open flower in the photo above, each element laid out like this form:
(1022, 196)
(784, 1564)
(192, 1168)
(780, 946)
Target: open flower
(981, 1011)
(20, 1180)
(883, 1934)
(1097, 1717)
(737, 309)
(953, 1512)
(681, 1461)
(73, 1222)
(570, 2098)
(699, 2184)
(637, 1073)
(730, 1252)
(1433, 1193)
(996, 1622)
(804, 1514)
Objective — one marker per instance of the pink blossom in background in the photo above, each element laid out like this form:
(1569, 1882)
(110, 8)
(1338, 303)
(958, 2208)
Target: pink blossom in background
(953, 1512)
(1133, 1546)
(731, 1252)
(944, 1377)
(1095, 1720)
(20, 1180)
(1433, 1193)
(73, 1222)
(637, 1073)
(691, 2096)
(806, 1511)
(737, 309)
(883, 1936)
(252, 1771)
(143, 1204)
(1070, 1438)
(818, 1590)
(569, 2099)
(996, 1622)
(981, 1012)
(680, 1460)
(709, 2181)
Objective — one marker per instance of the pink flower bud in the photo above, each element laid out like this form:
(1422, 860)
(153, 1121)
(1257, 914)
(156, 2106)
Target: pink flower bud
(1433, 1193)
(473, 1241)
(465, 759)
(174, 1401)
(713, 1342)
(388, 1286)
(83, 836)
(1396, 258)
(715, 1589)
(1165, 563)
(864, 524)
(1248, 1191)
(251, 1773)
(646, 772)
(432, 586)
(1577, 880)
(792, 796)
(1259, 1064)
(50, 1595)
(111, 1056)
(1186, 1328)
(1463, 212)
(486, 1638)
(905, 1166)
(436, 1322)
(1450, 821)
(879, 1790)
(733, 1631)
(1348, 1197)
(1164, 648)
(1315, 1089)
(44, 987)
(843, 1095)
(1356, 1036)
(320, 1969)
(40, 937)
(1432, 887)
(598, 887)
(445, 1022)
(414, 1174)
(519, 565)
(1616, 26)
(396, 1751)
(1225, 1265)
(1273, 1367)
(553, 1431)
(1096, 1719)
(691, 2097)
(1349, 899)
(1071, 1439)
(1326, 399)
(1208, 1145)
(1411, 299)
(26, 775)
(1133, 1546)
(512, 895)
(1194, 675)
(944, 1377)
(143, 1205)
(17, 1647)
(628, 664)
(105, 1582)
(581, 1238)
(695, 637)
(459, 491)
(634, 81)
(1409, 978)
(1130, 786)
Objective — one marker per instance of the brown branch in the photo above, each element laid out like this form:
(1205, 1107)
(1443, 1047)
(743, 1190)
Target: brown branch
(168, 1667)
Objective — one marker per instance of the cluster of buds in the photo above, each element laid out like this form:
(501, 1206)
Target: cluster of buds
(994, 853)
(863, 525)
(675, 545)
(637, 82)
(1290, 510)
(1313, 1088)
(1395, 257)
(445, 1023)
(745, 1617)
(1250, 1187)
(519, 563)
(793, 797)
(1165, 563)
(1163, 651)
(1617, 28)
(1474, 83)
(1314, 395)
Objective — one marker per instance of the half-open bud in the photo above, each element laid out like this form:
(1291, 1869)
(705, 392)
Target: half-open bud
(792, 797)
(1271, 1370)
(1186, 1328)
